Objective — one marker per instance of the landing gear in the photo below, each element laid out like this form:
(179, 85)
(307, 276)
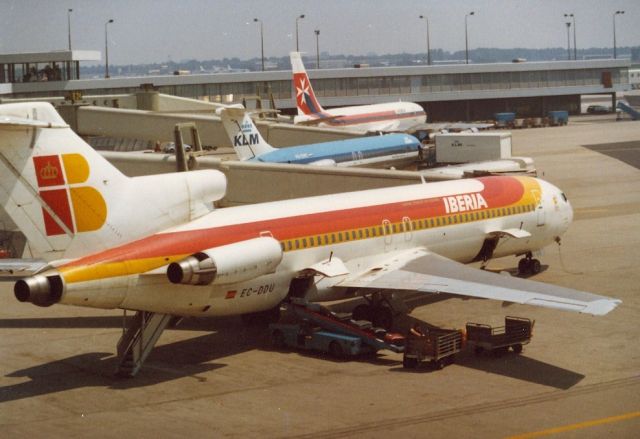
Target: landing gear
(528, 265)
(378, 311)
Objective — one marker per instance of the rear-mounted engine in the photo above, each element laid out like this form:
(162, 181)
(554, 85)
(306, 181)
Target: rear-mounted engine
(227, 264)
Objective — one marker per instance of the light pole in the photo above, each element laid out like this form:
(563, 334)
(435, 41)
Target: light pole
(317, 32)
(568, 23)
(428, 45)
(69, 11)
(261, 42)
(615, 53)
(297, 19)
(106, 49)
(466, 37)
(575, 47)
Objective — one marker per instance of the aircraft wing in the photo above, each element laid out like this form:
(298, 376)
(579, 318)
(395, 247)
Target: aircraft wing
(20, 122)
(423, 271)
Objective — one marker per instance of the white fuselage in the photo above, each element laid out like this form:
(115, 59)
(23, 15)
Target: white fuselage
(390, 116)
(315, 229)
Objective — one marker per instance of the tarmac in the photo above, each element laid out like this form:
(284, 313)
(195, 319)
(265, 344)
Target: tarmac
(579, 376)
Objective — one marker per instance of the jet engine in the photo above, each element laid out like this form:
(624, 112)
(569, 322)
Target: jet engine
(227, 264)
(41, 289)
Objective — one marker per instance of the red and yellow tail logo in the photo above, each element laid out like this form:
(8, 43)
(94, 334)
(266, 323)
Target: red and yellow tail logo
(80, 208)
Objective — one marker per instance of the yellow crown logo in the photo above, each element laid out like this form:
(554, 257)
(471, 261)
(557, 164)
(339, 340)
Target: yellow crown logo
(49, 172)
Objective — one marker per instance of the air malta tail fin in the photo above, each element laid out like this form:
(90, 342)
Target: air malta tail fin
(69, 201)
(243, 133)
(305, 97)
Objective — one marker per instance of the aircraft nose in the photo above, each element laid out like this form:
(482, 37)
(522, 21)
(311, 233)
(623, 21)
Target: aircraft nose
(567, 212)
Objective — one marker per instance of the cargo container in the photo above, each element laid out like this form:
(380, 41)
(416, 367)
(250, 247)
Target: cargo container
(472, 147)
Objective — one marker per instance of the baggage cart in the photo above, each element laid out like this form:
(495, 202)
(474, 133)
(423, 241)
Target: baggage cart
(515, 333)
(438, 347)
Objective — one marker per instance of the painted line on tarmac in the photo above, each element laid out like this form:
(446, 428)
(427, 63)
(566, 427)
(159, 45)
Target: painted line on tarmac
(577, 426)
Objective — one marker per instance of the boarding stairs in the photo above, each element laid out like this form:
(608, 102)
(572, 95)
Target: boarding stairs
(138, 341)
(631, 111)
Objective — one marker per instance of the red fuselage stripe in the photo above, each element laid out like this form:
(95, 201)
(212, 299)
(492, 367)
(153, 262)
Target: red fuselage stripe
(498, 192)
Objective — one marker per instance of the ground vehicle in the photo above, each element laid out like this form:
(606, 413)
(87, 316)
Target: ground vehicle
(438, 346)
(598, 109)
(309, 337)
(315, 327)
(558, 117)
(515, 333)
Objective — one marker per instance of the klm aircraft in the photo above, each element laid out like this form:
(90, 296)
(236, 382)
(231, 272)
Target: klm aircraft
(375, 150)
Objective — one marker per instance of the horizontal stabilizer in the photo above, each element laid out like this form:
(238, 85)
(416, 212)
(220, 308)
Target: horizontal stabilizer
(19, 122)
(16, 268)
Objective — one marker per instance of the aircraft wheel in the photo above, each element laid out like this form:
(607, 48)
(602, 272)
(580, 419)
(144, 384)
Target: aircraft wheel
(517, 348)
(534, 266)
(362, 312)
(524, 266)
(382, 317)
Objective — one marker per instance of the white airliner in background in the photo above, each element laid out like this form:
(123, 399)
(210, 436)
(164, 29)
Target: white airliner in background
(248, 143)
(154, 244)
(390, 116)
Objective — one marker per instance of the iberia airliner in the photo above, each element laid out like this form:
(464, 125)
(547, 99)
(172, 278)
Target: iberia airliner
(154, 243)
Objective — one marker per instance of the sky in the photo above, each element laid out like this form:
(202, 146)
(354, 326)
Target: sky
(150, 31)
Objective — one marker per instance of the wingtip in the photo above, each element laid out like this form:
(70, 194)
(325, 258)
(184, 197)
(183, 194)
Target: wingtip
(602, 307)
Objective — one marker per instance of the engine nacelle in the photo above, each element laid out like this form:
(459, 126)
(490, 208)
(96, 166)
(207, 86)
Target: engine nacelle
(41, 289)
(227, 264)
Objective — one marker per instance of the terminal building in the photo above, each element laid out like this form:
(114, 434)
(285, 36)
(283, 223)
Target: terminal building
(447, 92)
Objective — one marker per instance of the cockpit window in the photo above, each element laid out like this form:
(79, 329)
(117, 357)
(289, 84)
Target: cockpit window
(564, 197)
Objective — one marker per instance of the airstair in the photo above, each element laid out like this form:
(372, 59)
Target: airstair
(138, 341)
(632, 112)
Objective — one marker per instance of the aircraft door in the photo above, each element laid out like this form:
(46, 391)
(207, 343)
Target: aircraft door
(387, 232)
(407, 228)
(540, 214)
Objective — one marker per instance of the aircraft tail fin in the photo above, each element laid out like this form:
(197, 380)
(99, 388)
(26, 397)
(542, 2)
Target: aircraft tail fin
(69, 201)
(243, 133)
(305, 97)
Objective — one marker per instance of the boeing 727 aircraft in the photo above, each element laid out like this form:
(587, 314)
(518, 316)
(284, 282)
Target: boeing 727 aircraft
(155, 245)
(374, 150)
(391, 116)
